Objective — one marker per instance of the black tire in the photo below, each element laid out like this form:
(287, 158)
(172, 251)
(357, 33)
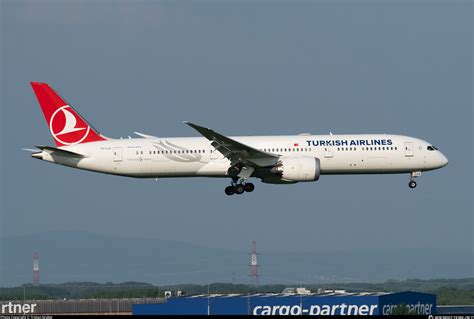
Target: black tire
(239, 189)
(249, 187)
(230, 190)
(412, 184)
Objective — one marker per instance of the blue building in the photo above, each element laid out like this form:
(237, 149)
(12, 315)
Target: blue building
(292, 304)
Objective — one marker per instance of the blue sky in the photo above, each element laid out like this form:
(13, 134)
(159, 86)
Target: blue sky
(244, 68)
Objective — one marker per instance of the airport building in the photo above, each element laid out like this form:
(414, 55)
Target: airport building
(329, 303)
(261, 304)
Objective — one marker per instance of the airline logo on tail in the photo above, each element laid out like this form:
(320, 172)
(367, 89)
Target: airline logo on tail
(66, 126)
(63, 123)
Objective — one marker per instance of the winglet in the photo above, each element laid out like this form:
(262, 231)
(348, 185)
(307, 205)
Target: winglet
(201, 129)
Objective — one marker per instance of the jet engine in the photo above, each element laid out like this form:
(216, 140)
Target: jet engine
(297, 169)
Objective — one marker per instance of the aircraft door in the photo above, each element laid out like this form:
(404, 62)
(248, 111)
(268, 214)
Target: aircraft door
(214, 154)
(409, 149)
(328, 151)
(117, 154)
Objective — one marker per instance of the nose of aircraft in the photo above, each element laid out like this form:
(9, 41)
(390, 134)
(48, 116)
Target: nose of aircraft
(443, 160)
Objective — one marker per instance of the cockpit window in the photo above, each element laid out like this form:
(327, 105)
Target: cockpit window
(432, 148)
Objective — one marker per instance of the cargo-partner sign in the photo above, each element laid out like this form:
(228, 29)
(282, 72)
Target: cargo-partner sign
(271, 304)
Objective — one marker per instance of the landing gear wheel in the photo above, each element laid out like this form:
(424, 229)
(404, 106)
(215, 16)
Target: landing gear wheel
(412, 184)
(239, 189)
(230, 190)
(249, 187)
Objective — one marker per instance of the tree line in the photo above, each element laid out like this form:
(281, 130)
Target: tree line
(448, 291)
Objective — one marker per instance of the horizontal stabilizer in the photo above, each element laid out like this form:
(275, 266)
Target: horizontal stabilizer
(59, 151)
(144, 135)
(29, 149)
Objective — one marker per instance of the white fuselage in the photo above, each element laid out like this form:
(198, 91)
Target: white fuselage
(194, 156)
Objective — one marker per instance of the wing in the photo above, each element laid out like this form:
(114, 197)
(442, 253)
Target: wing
(235, 151)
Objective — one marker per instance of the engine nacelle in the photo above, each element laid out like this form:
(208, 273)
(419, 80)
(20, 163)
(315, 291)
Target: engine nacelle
(298, 169)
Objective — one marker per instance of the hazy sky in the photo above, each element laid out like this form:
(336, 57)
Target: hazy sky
(244, 68)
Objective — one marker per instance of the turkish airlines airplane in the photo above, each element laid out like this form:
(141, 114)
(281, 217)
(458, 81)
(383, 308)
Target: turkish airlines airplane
(273, 159)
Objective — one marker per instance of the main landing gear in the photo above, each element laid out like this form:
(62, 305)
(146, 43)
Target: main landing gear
(239, 188)
(413, 175)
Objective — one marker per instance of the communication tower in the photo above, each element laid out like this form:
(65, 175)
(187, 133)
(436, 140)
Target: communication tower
(36, 269)
(254, 264)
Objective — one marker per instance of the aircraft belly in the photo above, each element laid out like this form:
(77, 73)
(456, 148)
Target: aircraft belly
(215, 168)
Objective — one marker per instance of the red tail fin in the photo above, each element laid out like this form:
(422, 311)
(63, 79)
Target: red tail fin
(65, 124)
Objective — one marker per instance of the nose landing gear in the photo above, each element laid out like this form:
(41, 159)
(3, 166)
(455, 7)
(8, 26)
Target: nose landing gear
(239, 188)
(413, 175)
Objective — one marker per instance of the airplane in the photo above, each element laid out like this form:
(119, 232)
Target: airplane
(273, 159)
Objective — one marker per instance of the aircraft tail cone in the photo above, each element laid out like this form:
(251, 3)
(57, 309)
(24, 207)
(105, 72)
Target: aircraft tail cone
(38, 155)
